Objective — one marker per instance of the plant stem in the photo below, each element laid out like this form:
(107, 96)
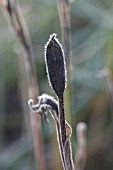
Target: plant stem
(65, 23)
(64, 15)
(59, 139)
(62, 119)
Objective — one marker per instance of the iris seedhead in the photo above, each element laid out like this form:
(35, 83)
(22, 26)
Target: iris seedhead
(55, 65)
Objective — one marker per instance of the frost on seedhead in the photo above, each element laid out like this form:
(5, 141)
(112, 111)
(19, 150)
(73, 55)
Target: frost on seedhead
(55, 65)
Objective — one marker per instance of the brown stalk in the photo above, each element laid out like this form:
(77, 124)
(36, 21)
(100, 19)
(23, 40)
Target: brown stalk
(66, 153)
(13, 14)
(62, 119)
(64, 134)
(59, 138)
(64, 15)
(65, 23)
(65, 150)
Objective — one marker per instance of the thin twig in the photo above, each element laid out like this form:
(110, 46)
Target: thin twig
(12, 10)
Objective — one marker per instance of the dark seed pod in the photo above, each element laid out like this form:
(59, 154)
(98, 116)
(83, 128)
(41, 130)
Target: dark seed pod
(55, 65)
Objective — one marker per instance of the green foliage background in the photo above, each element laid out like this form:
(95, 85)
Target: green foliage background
(91, 50)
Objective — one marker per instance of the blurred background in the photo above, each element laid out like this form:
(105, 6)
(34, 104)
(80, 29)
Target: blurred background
(91, 80)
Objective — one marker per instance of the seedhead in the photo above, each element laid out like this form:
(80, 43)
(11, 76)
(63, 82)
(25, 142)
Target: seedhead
(55, 65)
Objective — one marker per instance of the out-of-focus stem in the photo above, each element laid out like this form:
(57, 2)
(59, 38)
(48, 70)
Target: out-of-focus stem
(81, 153)
(64, 15)
(107, 75)
(12, 11)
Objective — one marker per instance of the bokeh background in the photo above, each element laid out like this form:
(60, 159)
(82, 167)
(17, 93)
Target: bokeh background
(91, 80)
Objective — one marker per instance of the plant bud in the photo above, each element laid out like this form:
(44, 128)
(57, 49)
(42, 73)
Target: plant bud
(55, 65)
